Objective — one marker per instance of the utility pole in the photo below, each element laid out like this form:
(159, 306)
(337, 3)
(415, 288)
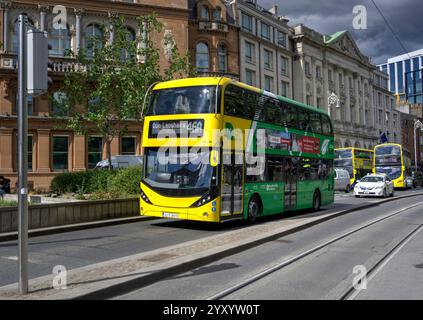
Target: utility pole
(417, 125)
(23, 157)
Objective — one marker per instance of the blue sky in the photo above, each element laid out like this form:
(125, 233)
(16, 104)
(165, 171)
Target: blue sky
(377, 41)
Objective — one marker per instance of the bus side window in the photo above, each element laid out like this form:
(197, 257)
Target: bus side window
(234, 101)
(252, 109)
(289, 115)
(303, 120)
(315, 123)
(274, 112)
(327, 127)
(275, 169)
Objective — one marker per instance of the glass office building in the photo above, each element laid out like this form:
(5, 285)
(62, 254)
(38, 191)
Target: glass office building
(405, 76)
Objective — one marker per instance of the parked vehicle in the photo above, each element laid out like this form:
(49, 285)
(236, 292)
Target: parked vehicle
(121, 161)
(377, 185)
(342, 180)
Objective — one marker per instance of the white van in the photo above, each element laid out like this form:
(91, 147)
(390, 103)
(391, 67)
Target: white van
(342, 180)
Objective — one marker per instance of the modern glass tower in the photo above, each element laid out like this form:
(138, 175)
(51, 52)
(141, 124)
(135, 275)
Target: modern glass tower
(405, 75)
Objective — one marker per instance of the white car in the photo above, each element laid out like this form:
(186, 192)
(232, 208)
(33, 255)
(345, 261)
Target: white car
(342, 180)
(376, 185)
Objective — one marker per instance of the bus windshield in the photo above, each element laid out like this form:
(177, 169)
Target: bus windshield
(185, 100)
(342, 154)
(388, 150)
(179, 174)
(392, 172)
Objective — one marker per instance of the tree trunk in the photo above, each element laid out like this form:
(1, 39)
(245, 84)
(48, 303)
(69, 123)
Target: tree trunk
(109, 153)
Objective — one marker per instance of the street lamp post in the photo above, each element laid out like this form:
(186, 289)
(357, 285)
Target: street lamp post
(417, 125)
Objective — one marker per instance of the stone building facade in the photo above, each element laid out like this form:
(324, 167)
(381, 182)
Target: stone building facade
(332, 74)
(52, 150)
(213, 38)
(265, 49)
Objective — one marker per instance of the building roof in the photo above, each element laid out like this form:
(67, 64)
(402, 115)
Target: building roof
(331, 38)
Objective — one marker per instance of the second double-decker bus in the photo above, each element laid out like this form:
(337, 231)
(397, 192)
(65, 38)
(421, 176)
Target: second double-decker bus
(394, 160)
(200, 136)
(358, 162)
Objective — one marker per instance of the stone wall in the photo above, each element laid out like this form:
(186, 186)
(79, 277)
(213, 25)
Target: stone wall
(50, 215)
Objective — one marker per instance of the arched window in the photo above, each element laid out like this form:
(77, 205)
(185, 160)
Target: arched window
(222, 53)
(130, 37)
(93, 38)
(15, 38)
(217, 14)
(60, 40)
(202, 56)
(204, 13)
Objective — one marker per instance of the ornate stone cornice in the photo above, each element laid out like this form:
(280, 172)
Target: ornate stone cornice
(78, 11)
(5, 5)
(43, 8)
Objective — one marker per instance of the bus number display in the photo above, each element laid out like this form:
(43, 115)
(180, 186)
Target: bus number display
(177, 127)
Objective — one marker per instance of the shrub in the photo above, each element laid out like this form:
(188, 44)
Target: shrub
(8, 203)
(101, 184)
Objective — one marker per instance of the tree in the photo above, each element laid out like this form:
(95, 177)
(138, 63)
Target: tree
(111, 77)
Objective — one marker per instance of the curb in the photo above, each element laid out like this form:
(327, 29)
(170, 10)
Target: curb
(127, 286)
(74, 227)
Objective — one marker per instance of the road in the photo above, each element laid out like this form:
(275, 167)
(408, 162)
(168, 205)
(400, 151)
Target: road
(85, 247)
(324, 274)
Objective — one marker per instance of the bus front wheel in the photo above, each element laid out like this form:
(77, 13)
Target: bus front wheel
(317, 201)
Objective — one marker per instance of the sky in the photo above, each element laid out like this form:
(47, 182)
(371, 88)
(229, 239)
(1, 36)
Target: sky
(377, 41)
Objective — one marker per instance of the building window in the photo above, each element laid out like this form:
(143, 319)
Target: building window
(268, 83)
(265, 31)
(202, 56)
(60, 153)
(95, 151)
(204, 13)
(93, 38)
(59, 104)
(30, 104)
(128, 145)
(249, 52)
(130, 36)
(60, 40)
(15, 38)
(217, 14)
(247, 22)
(308, 100)
(268, 59)
(330, 75)
(250, 77)
(318, 72)
(281, 39)
(222, 53)
(30, 148)
(307, 68)
(284, 88)
(284, 66)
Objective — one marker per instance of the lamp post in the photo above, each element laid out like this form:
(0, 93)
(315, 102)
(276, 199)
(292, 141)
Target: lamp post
(417, 125)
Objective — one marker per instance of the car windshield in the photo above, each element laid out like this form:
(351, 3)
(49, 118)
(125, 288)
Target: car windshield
(184, 100)
(391, 172)
(372, 179)
(185, 174)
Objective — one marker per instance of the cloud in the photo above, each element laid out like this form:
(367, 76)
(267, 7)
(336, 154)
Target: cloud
(377, 41)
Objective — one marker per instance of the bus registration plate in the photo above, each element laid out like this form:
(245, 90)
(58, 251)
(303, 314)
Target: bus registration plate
(170, 215)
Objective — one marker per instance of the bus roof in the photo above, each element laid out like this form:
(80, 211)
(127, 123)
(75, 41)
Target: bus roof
(354, 148)
(214, 81)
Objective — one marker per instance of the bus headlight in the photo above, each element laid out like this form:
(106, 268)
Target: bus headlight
(144, 197)
(206, 198)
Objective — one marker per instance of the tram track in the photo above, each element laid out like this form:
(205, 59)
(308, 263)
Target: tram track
(350, 293)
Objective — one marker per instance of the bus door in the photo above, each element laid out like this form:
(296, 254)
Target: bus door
(232, 183)
(290, 179)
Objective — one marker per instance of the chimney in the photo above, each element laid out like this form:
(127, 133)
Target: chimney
(274, 10)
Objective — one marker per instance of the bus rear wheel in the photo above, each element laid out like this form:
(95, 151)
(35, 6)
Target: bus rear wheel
(253, 209)
(317, 201)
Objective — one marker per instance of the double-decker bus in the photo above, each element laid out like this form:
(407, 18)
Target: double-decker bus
(394, 160)
(229, 124)
(358, 162)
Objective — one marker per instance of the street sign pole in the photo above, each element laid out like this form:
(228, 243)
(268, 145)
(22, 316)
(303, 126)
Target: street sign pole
(23, 158)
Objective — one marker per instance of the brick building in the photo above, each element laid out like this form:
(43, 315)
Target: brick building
(52, 150)
(213, 38)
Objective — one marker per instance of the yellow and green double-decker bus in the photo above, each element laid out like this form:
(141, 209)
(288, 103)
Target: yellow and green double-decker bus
(216, 150)
(394, 160)
(358, 162)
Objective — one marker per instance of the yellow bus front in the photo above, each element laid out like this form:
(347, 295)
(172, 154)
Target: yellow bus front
(389, 158)
(180, 183)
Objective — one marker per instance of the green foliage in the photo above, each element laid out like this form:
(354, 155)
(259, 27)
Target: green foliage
(108, 86)
(99, 184)
(8, 203)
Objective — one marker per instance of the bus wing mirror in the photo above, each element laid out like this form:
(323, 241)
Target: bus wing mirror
(214, 158)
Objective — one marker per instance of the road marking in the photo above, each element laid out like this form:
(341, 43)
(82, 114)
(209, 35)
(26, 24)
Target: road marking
(15, 258)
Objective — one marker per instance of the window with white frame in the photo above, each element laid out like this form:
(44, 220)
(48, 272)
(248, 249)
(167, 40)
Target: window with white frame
(265, 31)
(268, 59)
(202, 57)
(284, 66)
(246, 22)
(249, 52)
(250, 77)
(268, 83)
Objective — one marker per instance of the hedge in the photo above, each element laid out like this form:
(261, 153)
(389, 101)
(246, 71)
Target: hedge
(110, 183)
